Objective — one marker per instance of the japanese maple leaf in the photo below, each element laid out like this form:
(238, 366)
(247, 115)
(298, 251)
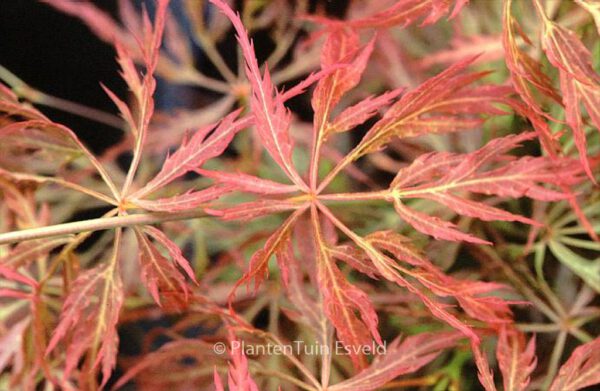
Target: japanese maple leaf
(448, 102)
(90, 314)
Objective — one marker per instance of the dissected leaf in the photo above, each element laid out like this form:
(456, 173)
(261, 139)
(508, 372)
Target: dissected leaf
(276, 243)
(442, 104)
(581, 370)
(272, 118)
(579, 83)
(402, 357)
(185, 201)
(203, 145)
(248, 183)
(90, 314)
(516, 359)
(238, 378)
(158, 274)
(404, 13)
(436, 176)
(341, 46)
(341, 300)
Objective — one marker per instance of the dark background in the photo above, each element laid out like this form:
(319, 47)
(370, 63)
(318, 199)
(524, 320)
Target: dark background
(57, 54)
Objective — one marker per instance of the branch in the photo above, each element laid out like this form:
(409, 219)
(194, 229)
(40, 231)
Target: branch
(97, 225)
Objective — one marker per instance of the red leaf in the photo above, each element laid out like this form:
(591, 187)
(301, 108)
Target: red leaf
(402, 357)
(97, 20)
(442, 104)
(579, 82)
(480, 210)
(248, 183)
(461, 47)
(217, 381)
(484, 373)
(355, 258)
(525, 71)
(258, 268)
(13, 275)
(194, 152)
(341, 46)
(239, 378)
(436, 176)
(90, 313)
(272, 118)
(362, 111)
(403, 13)
(173, 250)
(434, 226)
(516, 360)
(254, 209)
(158, 274)
(581, 370)
(186, 201)
(341, 300)
(47, 137)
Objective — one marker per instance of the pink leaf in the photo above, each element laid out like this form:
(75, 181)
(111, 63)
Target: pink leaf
(186, 201)
(158, 274)
(272, 118)
(173, 250)
(92, 323)
(581, 370)
(516, 360)
(434, 226)
(254, 209)
(402, 357)
(194, 152)
(248, 183)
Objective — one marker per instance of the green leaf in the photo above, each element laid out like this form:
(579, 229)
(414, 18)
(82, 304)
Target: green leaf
(587, 270)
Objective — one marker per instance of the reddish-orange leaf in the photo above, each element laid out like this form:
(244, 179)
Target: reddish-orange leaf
(238, 378)
(272, 118)
(203, 145)
(489, 47)
(525, 71)
(158, 274)
(442, 177)
(254, 209)
(341, 300)
(173, 250)
(341, 46)
(516, 360)
(355, 258)
(403, 13)
(402, 357)
(362, 111)
(258, 267)
(97, 20)
(44, 139)
(581, 370)
(11, 107)
(185, 201)
(90, 313)
(239, 181)
(484, 373)
(434, 226)
(579, 83)
(445, 103)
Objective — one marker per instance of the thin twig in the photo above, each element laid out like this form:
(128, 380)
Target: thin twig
(97, 225)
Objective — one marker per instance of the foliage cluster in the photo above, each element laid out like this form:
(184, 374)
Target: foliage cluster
(417, 174)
